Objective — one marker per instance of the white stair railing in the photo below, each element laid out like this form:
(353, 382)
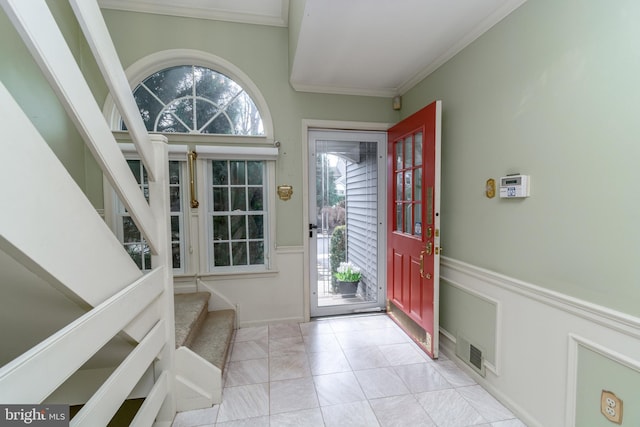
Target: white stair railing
(41, 35)
(142, 308)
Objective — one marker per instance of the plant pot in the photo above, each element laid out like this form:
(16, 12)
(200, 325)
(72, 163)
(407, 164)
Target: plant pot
(347, 289)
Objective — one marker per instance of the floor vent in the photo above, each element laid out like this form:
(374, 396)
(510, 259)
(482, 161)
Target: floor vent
(471, 354)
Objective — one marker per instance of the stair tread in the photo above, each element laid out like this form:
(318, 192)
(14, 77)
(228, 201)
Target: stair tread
(214, 337)
(189, 310)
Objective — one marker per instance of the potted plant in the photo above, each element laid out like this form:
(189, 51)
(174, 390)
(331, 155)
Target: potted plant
(348, 276)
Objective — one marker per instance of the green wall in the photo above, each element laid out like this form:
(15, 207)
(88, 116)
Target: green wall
(262, 52)
(596, 373)
(478, 327)
(552, 92)
(21, 75)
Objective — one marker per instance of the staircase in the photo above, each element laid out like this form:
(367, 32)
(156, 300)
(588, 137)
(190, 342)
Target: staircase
(203, 339)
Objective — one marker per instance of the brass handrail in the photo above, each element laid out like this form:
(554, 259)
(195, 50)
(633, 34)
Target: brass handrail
(192, 183)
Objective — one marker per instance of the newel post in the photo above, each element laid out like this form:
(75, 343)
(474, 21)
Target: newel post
(159, 203)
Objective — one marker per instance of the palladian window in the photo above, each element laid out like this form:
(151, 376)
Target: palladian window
(209, 116)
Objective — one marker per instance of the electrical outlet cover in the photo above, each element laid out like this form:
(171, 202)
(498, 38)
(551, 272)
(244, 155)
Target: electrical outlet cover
(611, 407)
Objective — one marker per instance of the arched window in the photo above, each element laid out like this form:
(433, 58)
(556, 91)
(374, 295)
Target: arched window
(196, 100)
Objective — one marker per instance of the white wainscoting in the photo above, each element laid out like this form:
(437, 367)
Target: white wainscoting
(537, 334)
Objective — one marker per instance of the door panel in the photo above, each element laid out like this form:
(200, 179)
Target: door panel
(413, 226)
(397, 283)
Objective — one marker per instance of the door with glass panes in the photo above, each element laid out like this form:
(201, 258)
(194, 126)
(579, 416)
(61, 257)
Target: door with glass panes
(346, 220)
(413, 233)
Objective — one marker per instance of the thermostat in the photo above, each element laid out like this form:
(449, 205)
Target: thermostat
(512, 186)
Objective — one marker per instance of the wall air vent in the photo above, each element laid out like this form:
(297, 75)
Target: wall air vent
(475, 356)
(471, 354)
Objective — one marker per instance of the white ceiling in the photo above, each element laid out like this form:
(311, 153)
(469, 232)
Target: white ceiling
(360, 47)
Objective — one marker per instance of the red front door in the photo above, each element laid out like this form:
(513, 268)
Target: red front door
(413, 232)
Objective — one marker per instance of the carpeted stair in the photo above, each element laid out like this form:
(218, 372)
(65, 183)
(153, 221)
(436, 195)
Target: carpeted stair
(206, 333)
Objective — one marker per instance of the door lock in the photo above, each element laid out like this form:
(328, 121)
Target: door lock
(311, 228)
(429, 248)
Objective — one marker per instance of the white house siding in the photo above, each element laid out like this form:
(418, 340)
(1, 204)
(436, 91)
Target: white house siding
(362, 218)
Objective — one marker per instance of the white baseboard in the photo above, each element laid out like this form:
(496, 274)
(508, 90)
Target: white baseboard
(448, 348)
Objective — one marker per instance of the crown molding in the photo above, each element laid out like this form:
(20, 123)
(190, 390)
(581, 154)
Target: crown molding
(195, 11)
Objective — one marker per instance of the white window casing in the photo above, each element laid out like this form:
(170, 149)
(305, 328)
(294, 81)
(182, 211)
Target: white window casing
(195, 231)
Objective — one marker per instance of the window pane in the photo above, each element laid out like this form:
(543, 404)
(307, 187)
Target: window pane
(418, 213)
(237, 173)
(246, 116)
(221, 256)
(255, 199)
(135, 252)
(147, 257)
(214, 86)
(417, 182)
(169, 123)
(149, 107)
(398, 216)
(399, 162)
(239, 251)
(407, 186)
(130, 232)
(238, 227)
(134, 165)
(175, 255)
(220, 200)
(207, 114)
(220, 173)
(408, 220)
(256, 253)
(174, 199)
(256, 227)
(238, 199)
(418, 140)
(220, 228)
(170, 83)
(254, 173)
(175, 228)
(408, 152)
(174, 172)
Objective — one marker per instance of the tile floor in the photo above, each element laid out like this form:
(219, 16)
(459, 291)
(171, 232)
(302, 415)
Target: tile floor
(343, 372)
